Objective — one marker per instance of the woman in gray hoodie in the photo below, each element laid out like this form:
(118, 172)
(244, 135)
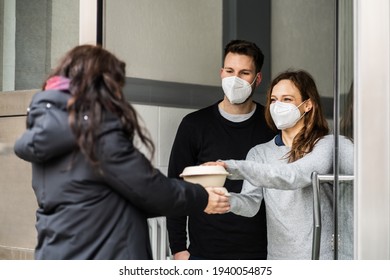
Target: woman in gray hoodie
(280, 171)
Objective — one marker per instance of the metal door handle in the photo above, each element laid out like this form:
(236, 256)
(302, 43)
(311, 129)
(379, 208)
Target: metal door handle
(316, 179)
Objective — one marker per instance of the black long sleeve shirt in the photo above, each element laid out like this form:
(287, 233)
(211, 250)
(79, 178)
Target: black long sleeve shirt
(204, 136)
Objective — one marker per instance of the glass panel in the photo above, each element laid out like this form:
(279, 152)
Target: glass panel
(344, 118)
(33, 36)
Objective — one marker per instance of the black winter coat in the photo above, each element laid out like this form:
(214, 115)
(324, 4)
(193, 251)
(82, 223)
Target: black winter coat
(83, 214)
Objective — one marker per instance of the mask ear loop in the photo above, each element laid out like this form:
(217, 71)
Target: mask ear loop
(304, 113)
(255, 79)
(304, 102)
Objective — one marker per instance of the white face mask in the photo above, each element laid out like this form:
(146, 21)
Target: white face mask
(236, 89)
(285, 115)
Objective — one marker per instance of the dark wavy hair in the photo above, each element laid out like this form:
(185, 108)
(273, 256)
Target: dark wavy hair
(315, 124)
(97, 79)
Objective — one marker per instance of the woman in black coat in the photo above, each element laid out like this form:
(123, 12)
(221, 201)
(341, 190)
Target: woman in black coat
(95, 189)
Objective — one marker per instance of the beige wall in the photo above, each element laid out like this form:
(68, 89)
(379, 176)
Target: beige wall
(17, 200)
(167, 40)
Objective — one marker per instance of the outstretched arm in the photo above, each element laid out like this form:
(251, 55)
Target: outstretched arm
(283, 175)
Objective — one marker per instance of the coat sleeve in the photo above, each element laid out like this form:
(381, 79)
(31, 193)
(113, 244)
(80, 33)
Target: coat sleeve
(48, 133)
(131, 175)
(288, 176)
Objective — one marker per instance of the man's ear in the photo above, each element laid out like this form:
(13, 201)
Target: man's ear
(259, 77)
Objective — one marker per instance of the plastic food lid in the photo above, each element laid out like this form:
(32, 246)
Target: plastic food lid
(204, 170)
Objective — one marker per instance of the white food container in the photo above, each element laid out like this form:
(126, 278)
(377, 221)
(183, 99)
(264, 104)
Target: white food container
(205, 175)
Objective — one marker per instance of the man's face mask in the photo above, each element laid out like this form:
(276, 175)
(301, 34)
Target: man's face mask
(236, 89)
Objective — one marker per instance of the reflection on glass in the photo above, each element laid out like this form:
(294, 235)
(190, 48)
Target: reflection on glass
(33, 35)
(346, 120)
(345, 190)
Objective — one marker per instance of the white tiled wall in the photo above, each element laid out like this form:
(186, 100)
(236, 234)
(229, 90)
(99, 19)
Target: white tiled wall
(162, 124)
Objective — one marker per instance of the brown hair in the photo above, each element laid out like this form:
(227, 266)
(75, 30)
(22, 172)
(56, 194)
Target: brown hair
(315, 124)
(97, 79)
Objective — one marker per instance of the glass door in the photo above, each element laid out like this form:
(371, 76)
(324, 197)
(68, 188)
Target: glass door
(343, 238)
(342, 122)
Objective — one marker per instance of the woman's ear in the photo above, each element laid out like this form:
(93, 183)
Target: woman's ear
(308, 105)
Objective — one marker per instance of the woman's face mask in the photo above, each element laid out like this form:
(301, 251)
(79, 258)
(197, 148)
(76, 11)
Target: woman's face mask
(285, 115)
(236, 89)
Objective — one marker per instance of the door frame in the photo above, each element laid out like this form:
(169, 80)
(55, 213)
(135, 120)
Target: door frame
(372, 128)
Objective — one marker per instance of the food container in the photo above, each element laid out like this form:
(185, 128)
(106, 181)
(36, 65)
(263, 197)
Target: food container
(205, 175)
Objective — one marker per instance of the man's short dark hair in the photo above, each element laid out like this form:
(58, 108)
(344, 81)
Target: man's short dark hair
(246, 48)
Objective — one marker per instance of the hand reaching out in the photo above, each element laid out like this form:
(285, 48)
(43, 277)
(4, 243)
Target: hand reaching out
(220, 163)
(218, 201)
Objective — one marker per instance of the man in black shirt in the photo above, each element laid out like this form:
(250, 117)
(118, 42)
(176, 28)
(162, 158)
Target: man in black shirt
(224, 130)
